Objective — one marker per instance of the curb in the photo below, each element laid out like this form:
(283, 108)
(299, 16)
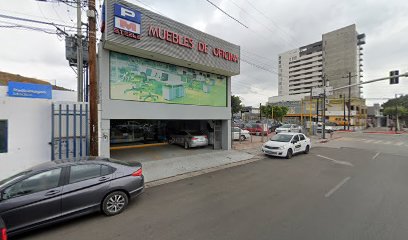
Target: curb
(387, 132)
(200, 172)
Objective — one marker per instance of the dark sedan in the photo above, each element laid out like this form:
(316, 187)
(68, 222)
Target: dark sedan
(60, 190)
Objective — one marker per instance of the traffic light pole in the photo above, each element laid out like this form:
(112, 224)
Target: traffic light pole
(349, 102)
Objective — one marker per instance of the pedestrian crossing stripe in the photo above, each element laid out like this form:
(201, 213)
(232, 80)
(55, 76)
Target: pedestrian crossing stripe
(373, 141)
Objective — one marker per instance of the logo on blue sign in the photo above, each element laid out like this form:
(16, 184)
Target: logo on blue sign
(127, 22)
(29, 90)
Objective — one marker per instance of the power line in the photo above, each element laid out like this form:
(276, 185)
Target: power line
(33, 21)
(272, 21)
(265, 26)
(227, 13)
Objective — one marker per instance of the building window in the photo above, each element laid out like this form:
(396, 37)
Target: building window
(3, 136)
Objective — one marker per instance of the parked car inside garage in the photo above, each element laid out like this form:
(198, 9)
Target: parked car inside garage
(189, 139)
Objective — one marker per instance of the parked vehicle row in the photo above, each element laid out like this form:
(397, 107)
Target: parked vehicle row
(289, 128)
(240, 134)
(60, 190)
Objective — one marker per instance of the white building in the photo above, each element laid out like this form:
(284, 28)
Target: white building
(25, 130)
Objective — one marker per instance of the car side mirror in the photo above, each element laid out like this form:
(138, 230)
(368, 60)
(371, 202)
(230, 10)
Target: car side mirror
(294, 141)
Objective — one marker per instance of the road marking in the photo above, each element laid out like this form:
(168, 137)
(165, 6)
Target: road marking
(336, 161)
(387, 142)
(376, 155)
(399, 143)
(337, 187)
(379, 141)
(368, 141)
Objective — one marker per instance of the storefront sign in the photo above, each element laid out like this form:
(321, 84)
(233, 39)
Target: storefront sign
(185, 41)
(127, 22)
(29, 90)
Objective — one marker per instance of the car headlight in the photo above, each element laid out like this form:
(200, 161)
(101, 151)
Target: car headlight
(282, 147)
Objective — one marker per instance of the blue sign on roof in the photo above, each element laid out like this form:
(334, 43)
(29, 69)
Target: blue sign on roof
(29, 90)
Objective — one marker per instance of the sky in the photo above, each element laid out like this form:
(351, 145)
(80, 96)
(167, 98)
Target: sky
(273, 27)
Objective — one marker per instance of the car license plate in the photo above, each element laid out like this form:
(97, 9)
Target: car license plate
(271, 152)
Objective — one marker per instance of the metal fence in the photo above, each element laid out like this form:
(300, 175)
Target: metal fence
(69, 132)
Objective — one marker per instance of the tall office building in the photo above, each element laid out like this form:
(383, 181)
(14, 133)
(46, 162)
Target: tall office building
(337, 54)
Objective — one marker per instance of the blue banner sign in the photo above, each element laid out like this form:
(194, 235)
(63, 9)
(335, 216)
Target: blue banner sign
(29, 90)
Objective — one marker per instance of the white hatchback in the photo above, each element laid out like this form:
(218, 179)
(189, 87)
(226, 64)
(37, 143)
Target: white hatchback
(287, 144)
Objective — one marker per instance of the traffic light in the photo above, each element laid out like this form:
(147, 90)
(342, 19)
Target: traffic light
(394, 80)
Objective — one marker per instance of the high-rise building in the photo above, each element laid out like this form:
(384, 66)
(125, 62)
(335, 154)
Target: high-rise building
(334, 57)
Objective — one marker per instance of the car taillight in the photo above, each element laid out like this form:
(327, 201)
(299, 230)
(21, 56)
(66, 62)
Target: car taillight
(194, 138)
(138, 173)
(3, 234)
(205, 136)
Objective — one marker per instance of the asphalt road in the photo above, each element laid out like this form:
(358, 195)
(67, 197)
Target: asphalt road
(386, 143)
(331, 193)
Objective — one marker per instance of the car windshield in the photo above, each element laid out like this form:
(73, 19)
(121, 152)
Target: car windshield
(285, 126)
(12, 178)
(281, 138)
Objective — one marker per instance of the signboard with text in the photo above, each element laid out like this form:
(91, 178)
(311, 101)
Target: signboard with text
(29, 90)
(133, 30)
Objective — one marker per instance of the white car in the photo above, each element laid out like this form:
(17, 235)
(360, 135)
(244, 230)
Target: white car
(237, 136)
(289, 128)
(287, 144)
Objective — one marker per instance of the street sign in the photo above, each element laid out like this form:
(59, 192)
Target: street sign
(329, 91)
(317, 92)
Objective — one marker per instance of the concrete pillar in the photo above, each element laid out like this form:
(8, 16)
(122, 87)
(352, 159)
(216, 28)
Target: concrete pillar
(104, 138)
(226, 134)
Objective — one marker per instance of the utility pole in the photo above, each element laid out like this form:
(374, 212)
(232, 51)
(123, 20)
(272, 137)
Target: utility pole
(79, 53)
(324, 109)
(260, 113)
(93, 88)
(344, 112)
(349, 101)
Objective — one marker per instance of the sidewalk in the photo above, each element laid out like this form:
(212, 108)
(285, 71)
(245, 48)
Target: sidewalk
(166, 168)
(384, 130)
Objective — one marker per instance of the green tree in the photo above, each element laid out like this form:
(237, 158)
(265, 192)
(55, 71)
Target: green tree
(236, 104)
(402, 111)
(278, 112)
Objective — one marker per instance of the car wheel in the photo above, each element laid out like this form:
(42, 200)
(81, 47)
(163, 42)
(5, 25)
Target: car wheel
(306, 149)
(289, 154)
(185, 145)
(115, 203)
(242, 138)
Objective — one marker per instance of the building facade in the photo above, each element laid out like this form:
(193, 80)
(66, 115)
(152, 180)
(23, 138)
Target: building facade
(334, 57)
(158, 76)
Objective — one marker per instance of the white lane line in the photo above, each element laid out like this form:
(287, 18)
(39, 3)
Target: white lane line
(379, 141)
(399, 143)
(336, 161)
(368, 141)
(387, 142)
(376, 155)
(337, 187)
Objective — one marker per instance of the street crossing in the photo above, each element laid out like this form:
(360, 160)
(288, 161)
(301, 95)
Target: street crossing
(374, 141)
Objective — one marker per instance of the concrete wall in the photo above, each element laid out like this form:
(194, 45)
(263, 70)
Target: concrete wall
(340, 56)
(29, 130)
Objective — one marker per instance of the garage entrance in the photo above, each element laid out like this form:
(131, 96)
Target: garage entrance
(159, 139)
